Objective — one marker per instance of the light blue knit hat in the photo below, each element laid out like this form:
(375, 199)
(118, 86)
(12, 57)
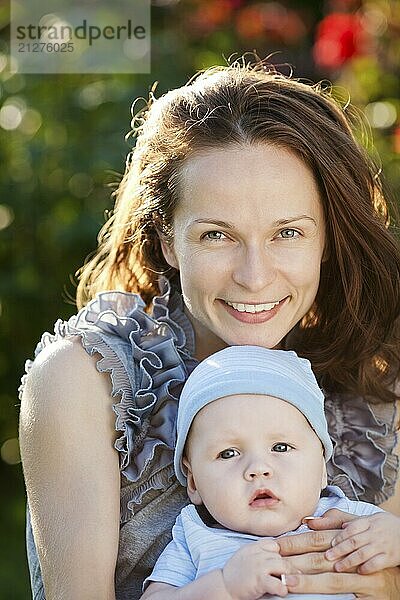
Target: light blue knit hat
(251, 370)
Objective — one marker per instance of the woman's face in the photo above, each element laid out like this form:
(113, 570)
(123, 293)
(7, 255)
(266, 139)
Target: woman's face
(248, 243)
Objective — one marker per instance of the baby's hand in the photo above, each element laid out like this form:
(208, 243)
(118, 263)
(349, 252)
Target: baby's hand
(372, 543)
(254, 570)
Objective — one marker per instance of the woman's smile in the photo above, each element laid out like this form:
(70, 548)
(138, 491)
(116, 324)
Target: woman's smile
(252, 307)
(253, 313)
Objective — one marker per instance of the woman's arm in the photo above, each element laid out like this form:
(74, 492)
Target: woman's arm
(71, 472)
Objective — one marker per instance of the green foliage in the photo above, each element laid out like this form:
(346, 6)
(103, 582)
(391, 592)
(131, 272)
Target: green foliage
(63, 144)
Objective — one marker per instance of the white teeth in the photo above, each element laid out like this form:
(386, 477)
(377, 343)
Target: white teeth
(252, 308)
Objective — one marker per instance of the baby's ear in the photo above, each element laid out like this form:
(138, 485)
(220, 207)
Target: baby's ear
(192, 491)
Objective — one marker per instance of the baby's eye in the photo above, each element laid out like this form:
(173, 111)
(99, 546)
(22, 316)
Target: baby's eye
(289, 233)
(213, 236)
(228, 453)
(281, 447)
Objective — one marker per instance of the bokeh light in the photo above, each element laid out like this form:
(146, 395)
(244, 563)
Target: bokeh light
(10, 452)
(10, 116)
(381, 114)
(92, 95)
(6, 216)
(80, 185)
(31, 122)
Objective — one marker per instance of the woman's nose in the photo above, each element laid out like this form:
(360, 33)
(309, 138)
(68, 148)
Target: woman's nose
(254, 269)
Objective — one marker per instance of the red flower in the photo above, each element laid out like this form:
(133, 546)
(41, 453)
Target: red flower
(339, 37)
(250, 22)
(270, 20)
(209, 15)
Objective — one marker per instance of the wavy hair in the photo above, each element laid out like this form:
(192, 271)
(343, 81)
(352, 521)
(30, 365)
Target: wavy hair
(351, 333)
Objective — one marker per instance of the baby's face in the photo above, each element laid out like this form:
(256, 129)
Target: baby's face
(257, 471)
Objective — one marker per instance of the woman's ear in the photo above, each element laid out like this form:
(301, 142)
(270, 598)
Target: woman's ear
(192, 491)
(168, 252)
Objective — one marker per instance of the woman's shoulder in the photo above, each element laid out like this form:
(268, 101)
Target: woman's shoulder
(57, 360)
(93, 339)
(62, 386)
(63, 360)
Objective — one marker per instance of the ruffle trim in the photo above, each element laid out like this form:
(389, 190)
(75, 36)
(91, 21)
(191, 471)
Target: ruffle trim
(151, 354)
(363, 464)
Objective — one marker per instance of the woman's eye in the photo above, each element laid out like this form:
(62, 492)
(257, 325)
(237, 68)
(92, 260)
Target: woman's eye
(213, 235)
(289, 233)
(281, 447)
(228, 453)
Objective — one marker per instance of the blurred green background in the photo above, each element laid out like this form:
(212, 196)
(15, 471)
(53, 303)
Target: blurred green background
(62, 145)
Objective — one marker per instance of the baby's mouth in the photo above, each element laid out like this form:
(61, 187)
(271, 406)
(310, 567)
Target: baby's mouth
(263, 497)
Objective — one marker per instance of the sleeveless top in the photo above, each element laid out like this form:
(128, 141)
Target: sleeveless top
(148, 357)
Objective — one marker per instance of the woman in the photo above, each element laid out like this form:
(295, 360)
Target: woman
(247, 215)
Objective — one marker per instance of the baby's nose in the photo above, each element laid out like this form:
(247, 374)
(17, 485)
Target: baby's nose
(257, 470)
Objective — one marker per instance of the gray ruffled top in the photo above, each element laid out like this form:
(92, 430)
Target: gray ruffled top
(148, 357)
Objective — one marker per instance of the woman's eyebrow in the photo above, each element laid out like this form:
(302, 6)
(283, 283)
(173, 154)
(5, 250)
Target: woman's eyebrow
(277, 223)
(292, 219)
(214, 222)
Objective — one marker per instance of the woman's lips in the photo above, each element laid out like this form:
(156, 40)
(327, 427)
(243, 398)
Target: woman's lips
(260, 317)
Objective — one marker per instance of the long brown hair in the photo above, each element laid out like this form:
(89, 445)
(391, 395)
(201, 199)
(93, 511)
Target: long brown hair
(351, 333)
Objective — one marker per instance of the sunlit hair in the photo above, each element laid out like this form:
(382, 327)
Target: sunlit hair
(351, 333)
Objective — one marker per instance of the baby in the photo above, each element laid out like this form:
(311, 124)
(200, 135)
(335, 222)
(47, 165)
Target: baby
(252, 445)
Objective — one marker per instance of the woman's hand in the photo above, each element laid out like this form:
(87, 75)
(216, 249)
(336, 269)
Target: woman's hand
(384, 585)
(371, 543)
(306, 552)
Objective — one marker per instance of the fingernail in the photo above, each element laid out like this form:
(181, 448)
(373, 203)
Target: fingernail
(330, 555)
(283, 578)
(305, 519)
(344, 525)
(333, 542)
(292, 580)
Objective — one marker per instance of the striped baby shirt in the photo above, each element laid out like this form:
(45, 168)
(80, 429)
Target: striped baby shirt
(196, 549)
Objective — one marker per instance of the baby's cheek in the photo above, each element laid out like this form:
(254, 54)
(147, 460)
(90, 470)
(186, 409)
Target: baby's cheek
(224, 502)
